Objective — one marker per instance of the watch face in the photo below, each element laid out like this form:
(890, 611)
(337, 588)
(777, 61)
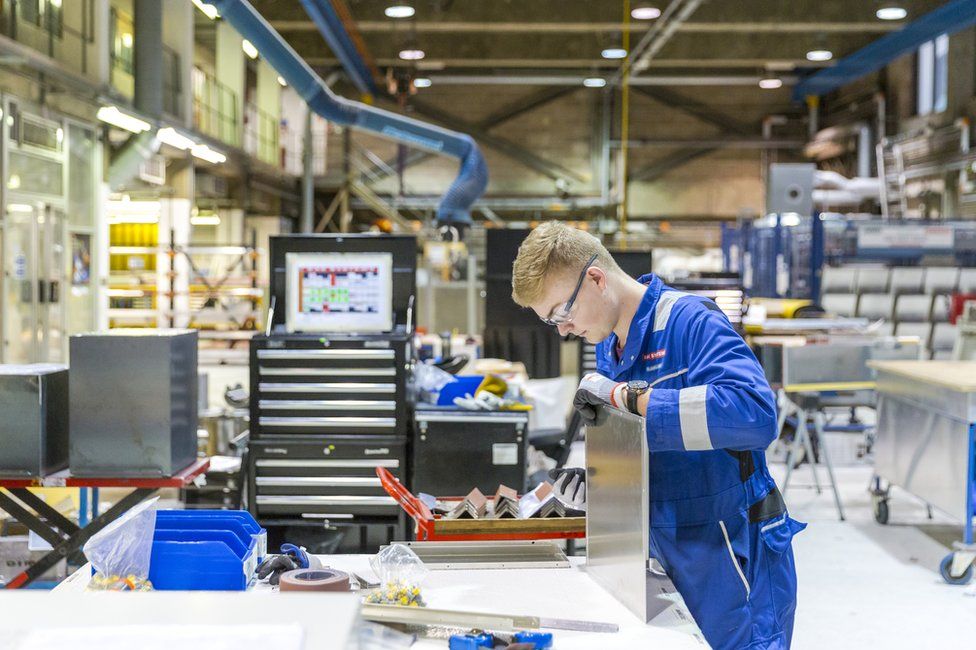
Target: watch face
(637, 385)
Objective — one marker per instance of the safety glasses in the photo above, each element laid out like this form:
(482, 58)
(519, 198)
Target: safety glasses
(562, 314)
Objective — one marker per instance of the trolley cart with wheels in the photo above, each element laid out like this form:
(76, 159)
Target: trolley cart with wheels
(926, 445)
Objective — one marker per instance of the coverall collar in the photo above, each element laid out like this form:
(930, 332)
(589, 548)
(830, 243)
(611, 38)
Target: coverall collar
(643, 319)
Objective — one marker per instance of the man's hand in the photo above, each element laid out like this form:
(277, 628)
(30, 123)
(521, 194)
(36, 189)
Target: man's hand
(595, 390)
(569, 485)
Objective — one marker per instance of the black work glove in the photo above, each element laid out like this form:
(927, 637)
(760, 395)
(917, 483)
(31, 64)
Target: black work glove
(569, 484)
(590, 407)
(275, 565)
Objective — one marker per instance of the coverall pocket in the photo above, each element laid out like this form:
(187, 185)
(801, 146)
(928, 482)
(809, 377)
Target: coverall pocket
(777, 536)
(778, 533)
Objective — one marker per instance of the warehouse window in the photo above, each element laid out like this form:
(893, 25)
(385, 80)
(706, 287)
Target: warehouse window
(933, 76)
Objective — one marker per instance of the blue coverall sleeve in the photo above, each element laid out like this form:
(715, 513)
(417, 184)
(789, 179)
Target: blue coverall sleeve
(728, 403)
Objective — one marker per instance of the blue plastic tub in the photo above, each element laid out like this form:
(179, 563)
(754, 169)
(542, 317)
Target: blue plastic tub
(201, 560)
(462, 386)
(243, 516)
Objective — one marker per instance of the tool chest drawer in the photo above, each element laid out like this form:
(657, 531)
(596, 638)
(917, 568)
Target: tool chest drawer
(317, 386)
(332, 475)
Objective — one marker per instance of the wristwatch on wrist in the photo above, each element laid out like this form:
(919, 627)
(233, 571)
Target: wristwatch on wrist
(635, 389)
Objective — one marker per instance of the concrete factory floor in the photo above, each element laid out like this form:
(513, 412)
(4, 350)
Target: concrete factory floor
(862, 584)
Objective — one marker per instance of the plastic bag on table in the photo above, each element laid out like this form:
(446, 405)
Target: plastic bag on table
(401, 575)
(430, 378)
(121, 551)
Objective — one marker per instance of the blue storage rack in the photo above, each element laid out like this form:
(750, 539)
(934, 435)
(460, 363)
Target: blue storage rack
(782, 256)
(205, 550)
(201, 560)
(244, 517)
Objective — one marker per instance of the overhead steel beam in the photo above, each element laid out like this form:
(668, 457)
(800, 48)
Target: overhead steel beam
(659, 33)
(660, 168)
(577, 80)
(514, 151)
(947, 19)
(696, 109)
(726, 143)
(474, 27)
(497, 118)
(435, 63)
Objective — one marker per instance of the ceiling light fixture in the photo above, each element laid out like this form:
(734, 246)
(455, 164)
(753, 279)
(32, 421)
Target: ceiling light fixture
(112, 115)
(594, 82)
(205, 220)
(208, 10)
(819, 55)
(399, 10)
(174, 138)
(281, 81)
(614, 53)
(203, 152)
(770, 83)
(249, 49)
(422, 82)
(412, 54)
(891, 13)
(645, 13)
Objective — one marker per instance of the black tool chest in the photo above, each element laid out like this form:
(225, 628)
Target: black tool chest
(328, 408)
(325, 413)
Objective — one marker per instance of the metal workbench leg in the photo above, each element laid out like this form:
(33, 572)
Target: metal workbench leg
(77, 540)
(790, 455)
(784, 404)
(42, 508)
(808, 445)
(43, 528)
(818, 424)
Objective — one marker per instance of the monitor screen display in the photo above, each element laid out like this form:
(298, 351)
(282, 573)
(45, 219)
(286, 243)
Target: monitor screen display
(339, 292)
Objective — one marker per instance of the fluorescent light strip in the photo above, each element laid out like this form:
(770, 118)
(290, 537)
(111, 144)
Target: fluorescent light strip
(174, 138)
(112, 115)
(205, 220)
(203, 152)
(249, 49)
(208, 10)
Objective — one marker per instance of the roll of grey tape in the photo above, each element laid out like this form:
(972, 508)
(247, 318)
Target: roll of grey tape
(314, 580)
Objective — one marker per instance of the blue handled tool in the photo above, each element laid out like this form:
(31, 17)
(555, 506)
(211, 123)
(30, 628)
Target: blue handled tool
(297, 552)
(471, 641)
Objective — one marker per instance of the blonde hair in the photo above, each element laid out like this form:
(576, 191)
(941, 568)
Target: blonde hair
(551, 248)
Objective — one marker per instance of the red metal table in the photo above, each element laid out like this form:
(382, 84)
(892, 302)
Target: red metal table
(61, 533)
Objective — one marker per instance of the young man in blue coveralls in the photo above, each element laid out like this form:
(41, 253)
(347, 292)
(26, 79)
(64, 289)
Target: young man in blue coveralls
(718, 524)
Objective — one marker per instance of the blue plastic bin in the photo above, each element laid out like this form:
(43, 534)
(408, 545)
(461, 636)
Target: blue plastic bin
(247, 520)
(201, 560)
(462, 386)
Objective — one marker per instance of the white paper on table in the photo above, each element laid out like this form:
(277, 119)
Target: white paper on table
(160, 637)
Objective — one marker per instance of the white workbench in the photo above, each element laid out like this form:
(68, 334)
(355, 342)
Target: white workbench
(553, 593)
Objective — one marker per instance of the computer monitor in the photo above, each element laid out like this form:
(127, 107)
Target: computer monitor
(339, 292)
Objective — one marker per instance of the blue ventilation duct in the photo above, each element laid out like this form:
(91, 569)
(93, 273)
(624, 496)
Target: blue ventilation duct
(334, 32)
(472, 178)
(947, 19)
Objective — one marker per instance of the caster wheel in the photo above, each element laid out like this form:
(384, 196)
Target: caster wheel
(881, 511)
(945, 568)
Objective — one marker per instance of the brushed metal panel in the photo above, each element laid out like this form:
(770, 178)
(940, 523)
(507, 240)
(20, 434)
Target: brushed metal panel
(924, 451)
(617, 546)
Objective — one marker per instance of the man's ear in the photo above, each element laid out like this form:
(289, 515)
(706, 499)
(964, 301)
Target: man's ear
(598, 275)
